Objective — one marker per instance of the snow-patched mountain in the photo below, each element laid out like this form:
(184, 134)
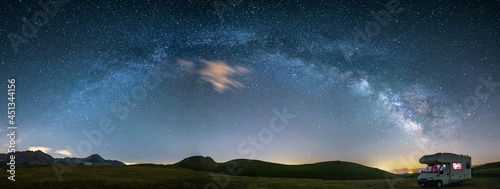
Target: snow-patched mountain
(39, 157)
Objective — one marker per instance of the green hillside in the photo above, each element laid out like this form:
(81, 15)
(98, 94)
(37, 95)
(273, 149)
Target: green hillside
(332, 170)
(487, 166)
(80, 176)
(487, 170)
(198, 163)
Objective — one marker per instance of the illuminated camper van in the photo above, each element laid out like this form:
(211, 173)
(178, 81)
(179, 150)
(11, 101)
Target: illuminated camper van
(445, 168)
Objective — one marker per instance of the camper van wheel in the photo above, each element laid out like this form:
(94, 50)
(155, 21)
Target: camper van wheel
(439, 184)
(460, 183)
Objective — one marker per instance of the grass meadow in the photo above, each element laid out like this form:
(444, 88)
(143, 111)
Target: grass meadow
(161, 176)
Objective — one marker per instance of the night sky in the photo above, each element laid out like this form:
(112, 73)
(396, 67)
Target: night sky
(379, 83)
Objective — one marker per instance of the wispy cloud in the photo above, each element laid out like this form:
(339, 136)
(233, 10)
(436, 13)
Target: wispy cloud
(186, 65)
(64, 152)
(43, 149)
(48, 150)
(219, 74)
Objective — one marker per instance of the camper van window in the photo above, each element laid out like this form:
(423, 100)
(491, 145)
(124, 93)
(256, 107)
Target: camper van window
(432, 168)
(443, 167)
(467, 165)
(457, 165)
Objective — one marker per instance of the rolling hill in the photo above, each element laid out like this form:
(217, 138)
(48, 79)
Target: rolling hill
(198, 163)
(487, 170)
(331, 170)
(493, 165)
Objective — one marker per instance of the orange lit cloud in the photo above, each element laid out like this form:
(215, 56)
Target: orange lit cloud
(43, 149)
(219, 74)
(64, 152)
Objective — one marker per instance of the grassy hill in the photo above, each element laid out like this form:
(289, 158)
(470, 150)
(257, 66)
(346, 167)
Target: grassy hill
(487, 170)
(332, 170)
(80, 176)
(198, 163)
(488, 166)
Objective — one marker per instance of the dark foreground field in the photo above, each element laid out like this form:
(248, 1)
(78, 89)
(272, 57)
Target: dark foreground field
(159, 176)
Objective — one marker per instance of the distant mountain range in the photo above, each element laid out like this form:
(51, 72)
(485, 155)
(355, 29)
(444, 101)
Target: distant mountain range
(331, 170)
(39, 157)
(28, 157)
(94, 159)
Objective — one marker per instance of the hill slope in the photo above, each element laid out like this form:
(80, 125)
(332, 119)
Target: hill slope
(198, 163)
(332, 170)
(488, 166)
(487, 170)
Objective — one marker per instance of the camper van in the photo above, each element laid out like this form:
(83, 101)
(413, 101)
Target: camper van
(445, 168)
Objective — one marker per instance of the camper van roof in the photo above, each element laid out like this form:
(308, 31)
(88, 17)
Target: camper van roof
(442, 158)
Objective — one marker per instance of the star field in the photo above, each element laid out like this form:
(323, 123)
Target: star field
(367, 82)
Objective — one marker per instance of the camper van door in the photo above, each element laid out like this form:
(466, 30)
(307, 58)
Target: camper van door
(446, 176)
(458, 171)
